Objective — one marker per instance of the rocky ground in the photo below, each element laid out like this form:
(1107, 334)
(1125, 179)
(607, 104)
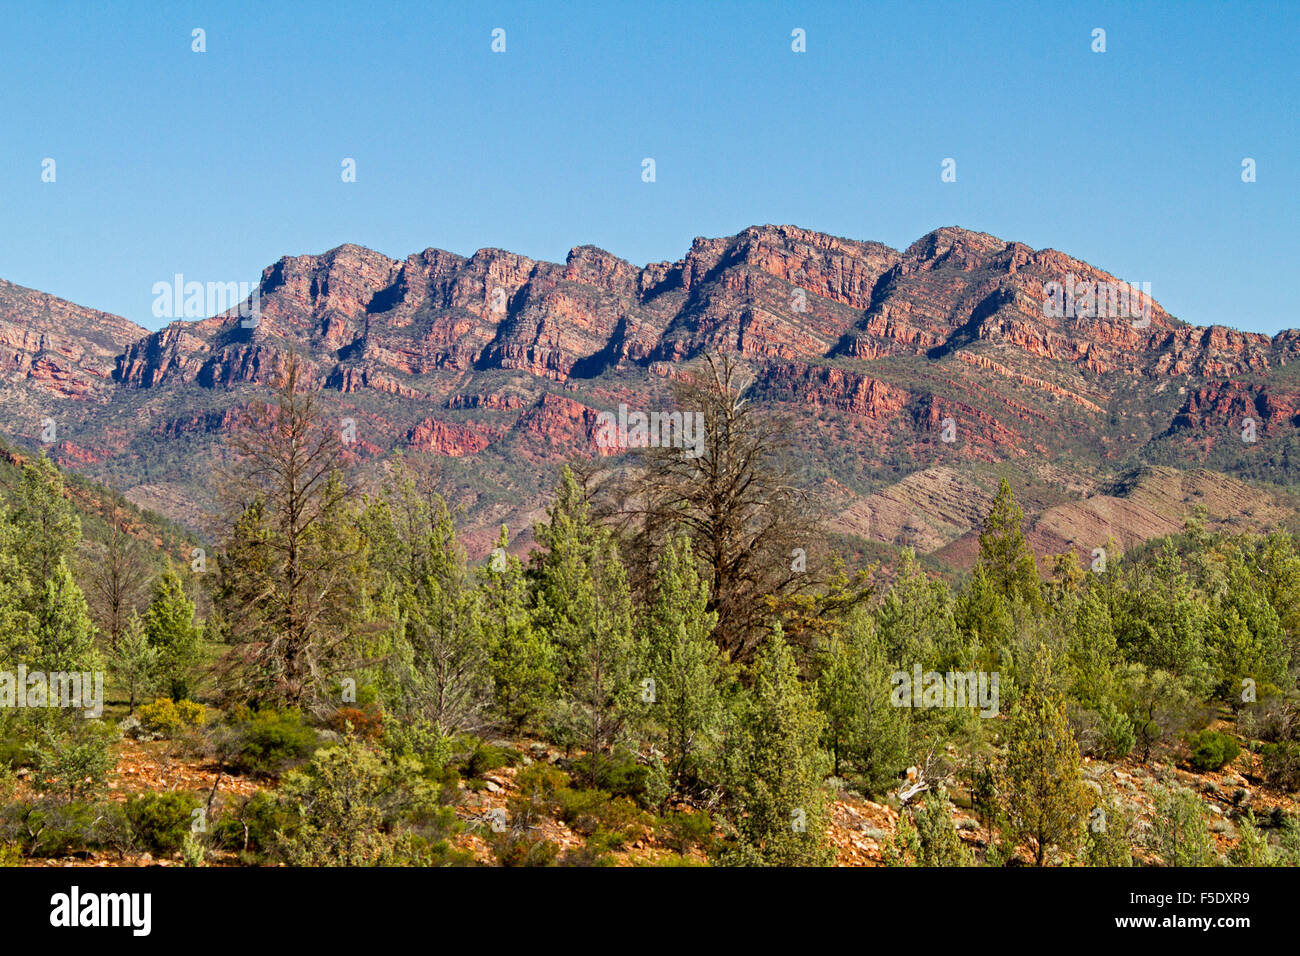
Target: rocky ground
(860, 827)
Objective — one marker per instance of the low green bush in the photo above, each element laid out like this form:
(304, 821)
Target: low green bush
(160, 821)
(167, 717)
(590, 811)
(619, 774)
(75, 760)
(484, 758)
(254, 824)
(683, 829)
(1212, 750)
(541, 779)
(416, 850)
(268, 742)
(78, 826)
(1116, 730)
(515, 848)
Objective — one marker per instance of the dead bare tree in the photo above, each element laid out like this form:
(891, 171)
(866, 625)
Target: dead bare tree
(117, 572)
(287, 575)
(754, 527)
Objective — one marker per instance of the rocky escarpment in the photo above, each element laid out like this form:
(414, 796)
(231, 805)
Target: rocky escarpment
(890, 361)
(772, 293)
(60, 348)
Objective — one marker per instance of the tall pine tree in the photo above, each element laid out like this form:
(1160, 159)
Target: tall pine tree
(685, 664)
(175, 636)
(1005, 557)
(1042, 787)
(584, 605)
(521, 659)
(774, 767)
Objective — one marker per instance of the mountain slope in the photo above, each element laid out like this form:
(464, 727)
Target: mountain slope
(925, 362)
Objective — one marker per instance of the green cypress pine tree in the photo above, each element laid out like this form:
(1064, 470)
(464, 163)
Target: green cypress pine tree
(775, 766)
(1282, 584)
(1090, 647)
(1004, 553)
(985, 619)
(175, 636)
(1246, 637)
(1110, 824)
(1162, 622)
(1180, 829)
(17, 620)
(64, 637)
(134, 661)
(1042, 789)
(926, 835)
(584, 607)
(45, 527)
(866, 736)
(685, 664)
(521, 659)
(1252, 847)
(449, 683)
(916, 620)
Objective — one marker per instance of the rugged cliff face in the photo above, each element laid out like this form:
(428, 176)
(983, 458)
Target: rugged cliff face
(60, 348)
(960, 349)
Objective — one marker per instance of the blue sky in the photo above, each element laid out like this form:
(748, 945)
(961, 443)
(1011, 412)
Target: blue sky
(216, 164)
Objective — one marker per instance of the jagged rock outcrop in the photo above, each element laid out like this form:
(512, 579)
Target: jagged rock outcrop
(60, 348)
(890, 362)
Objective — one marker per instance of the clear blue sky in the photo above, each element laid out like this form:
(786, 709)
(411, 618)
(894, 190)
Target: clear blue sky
(216, 164)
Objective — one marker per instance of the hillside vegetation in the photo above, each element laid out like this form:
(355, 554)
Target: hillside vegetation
(681, 672)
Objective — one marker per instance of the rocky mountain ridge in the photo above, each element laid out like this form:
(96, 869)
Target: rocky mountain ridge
(493, 367)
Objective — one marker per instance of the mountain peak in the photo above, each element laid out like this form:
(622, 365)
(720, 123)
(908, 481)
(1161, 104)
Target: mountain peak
(508, 359)
(955, 241)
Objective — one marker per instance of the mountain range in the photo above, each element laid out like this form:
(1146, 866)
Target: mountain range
(913, 380)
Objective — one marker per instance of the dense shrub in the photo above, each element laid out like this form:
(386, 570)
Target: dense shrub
(75, 762)
(588, 812)
(166, 717)
(62, 829)
(515, 848)
(1212, 750)
(484, 758)
(160, 821)
(1116, 734)
(414, 849)
(621, 776)
(474, 759)
(270, 741)
(419, 739)
(1282, 764)
(1108, 840)
(685, 829)
(1180, 830)
(926, 836)
(1252, 847)
(17, 742)
(193, 850)
(356, 805)
(255, 824)
(542, 779)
